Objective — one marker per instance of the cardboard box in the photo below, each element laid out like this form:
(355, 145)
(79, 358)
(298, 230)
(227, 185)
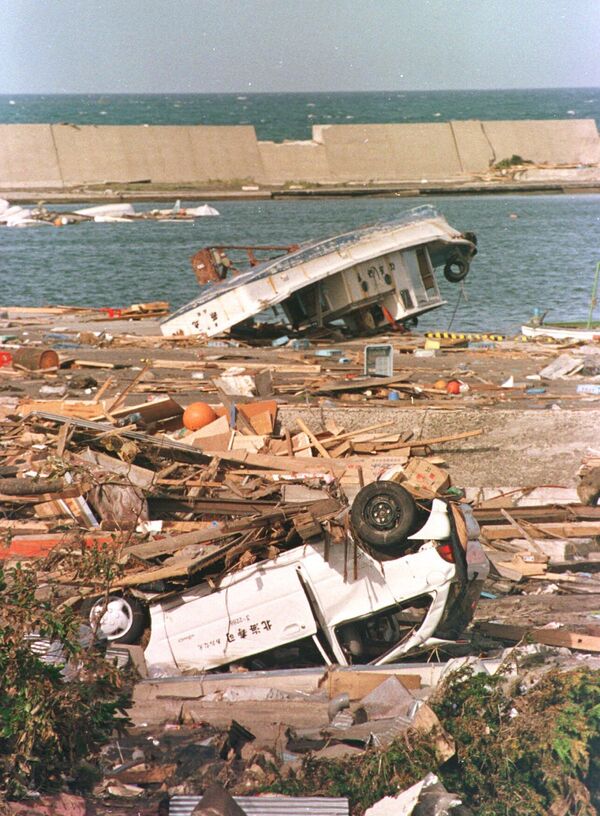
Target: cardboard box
(427, 476)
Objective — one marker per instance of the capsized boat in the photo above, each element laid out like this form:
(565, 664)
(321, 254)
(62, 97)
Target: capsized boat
(370, 279)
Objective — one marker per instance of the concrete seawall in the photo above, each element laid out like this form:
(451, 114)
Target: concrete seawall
(64, 157)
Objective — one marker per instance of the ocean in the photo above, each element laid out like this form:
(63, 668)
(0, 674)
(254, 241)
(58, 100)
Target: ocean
(291, 116)
(535, 251)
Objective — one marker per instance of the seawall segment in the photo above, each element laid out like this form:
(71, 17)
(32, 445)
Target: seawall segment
(64, 157)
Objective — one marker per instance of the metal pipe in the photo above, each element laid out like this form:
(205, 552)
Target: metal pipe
(594, 300)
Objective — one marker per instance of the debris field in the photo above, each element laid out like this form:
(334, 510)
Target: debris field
(182, 462)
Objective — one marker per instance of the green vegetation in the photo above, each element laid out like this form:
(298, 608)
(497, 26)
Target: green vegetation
(514, 161)
(517, 753)
(50, 727)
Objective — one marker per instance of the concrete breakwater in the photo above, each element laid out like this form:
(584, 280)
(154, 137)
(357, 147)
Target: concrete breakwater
(65, 157)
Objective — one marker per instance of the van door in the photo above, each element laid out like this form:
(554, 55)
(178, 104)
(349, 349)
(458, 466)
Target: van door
(254, 610)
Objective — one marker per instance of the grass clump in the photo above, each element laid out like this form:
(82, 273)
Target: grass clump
(514, 161)
(519, 752)
(53, 718)
(524, 753)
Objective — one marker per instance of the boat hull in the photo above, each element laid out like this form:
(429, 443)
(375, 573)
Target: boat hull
(562, 332)
(369, 279)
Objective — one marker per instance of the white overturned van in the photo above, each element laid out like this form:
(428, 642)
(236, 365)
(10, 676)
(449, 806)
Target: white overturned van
(412, 582)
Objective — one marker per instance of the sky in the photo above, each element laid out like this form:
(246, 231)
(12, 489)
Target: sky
(220, 46)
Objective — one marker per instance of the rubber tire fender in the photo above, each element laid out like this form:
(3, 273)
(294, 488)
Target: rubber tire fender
(387, 539)
(139, 617)
(455, 276)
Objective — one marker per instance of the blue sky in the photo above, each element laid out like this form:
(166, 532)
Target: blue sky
(161, 46)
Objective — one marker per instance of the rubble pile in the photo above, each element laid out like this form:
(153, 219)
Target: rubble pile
(140, 490)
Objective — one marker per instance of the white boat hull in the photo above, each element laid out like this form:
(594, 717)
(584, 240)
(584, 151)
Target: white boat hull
(370, 278)
(561, 333)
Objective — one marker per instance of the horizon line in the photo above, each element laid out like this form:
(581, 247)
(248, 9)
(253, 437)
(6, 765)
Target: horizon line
(247, 92)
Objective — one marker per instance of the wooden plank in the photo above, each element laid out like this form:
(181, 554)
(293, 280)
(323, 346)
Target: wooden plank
(93, 364)
(179, 568)
(67, 493)
(138, 476)
(315, 442)
(150, 411)
(535, 513)
(81, 409)
(515, 562)
(229, 403)
(574, 529)
(357, 684)
(121, 396)
(438, 440)
(336, 438)
(362, 384)
(526, 535)
(549, 637)
(262, 423)
(194, 365)
(293, 464)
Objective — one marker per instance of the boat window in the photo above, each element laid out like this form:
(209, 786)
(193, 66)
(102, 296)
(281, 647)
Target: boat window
(407, 299)
(302, 306)
(425, 269)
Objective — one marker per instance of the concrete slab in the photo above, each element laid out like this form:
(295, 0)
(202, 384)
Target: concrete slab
(295, 162)
(556, 142)
(28, 157)
(389, 152)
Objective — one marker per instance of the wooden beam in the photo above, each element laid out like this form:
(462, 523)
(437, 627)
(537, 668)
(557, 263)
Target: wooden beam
(438, 440)
(549, 637)
(313, 439)
(574, 529)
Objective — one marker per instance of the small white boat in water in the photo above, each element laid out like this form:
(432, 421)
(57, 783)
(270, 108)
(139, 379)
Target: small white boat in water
(121, 213)
(368, 280)
(563, 331)
(584, 331)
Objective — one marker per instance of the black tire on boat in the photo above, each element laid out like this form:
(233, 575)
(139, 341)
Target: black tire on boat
(460, 273)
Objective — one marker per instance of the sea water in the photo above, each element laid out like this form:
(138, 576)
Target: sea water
(278, 116)
(535, 251)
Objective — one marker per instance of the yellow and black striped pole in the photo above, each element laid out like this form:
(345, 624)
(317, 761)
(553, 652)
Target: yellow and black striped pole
(468, 336)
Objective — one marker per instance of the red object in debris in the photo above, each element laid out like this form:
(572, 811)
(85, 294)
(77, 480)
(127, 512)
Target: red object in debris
(5, 358)
(453, 387)
(446, 552)
(38, 546)
(111, 311)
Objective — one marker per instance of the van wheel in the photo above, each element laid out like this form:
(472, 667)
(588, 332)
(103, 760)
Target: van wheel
(118, 618)
(383, 514)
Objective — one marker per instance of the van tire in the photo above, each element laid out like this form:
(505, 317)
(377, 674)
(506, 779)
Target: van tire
(383, 514)
(456, 275)
(131, 625)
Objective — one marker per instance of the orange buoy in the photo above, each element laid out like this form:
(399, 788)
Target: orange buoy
(197, 415)
(440, 385)
(453, 387)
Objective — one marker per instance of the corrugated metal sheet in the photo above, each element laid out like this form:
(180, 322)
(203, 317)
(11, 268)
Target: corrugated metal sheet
(270, 805)
(52, 652)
